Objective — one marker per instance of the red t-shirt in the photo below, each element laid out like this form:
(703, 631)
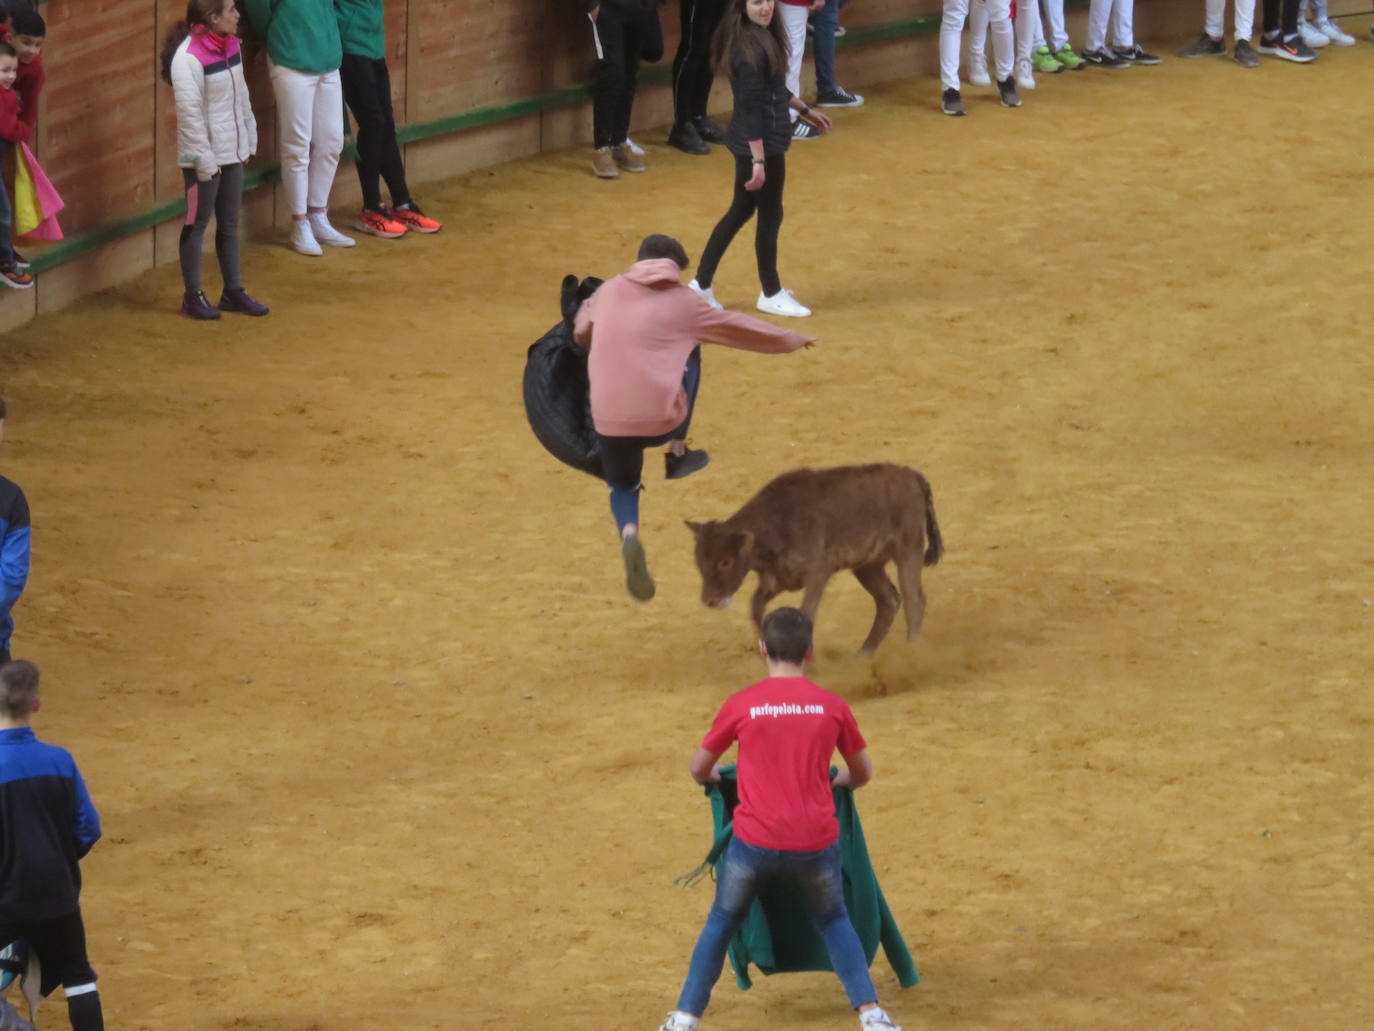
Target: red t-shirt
(787, 728)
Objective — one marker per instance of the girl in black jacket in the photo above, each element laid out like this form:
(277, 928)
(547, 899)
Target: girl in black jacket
(750, 47)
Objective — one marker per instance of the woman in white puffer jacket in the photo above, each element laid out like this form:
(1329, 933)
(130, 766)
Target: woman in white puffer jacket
(216, 134)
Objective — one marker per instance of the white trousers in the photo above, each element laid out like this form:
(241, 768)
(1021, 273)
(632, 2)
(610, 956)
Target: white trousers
(1119, 13)
(309, 134)
(1215, 25)
(794, 25)
(1054, 20)
(998, 13)
(1028, 34)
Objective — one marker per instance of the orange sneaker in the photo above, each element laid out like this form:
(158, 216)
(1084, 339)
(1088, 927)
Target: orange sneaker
(379, 223)
(416, 220)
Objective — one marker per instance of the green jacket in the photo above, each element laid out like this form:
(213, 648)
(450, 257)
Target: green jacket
(361, 27)
(777, 936)
(302, 35)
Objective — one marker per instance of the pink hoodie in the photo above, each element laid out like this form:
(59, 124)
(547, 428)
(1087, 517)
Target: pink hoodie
(641, 327)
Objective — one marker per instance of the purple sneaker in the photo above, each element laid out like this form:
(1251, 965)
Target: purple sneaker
(198, 306)
(237, 299)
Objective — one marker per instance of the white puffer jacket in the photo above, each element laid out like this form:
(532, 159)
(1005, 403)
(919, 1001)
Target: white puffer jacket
(215, 124)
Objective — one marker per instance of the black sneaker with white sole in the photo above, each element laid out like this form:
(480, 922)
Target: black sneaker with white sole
(804, 130)
(1104, 58)
(838, 97)
(1006, 91)
(1294, 49)
(1136, 54)
(951, 103)
(1245, 56)
(677, 467)
(1205, 46)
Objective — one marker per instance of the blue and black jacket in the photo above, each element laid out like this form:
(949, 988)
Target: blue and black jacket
(14, 553)
(47, 823)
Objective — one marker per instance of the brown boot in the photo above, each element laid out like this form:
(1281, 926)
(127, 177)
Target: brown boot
(603, 164)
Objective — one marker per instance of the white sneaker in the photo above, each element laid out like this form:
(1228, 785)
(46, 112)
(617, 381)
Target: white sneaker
(678, 1022)
(303, 240)
(877, 1020)
(1311, 35)
(978, 71)
(635, 148)
(1024, 78)
(1333, 32)
(782, 303)
(707, 294)
(327, 234)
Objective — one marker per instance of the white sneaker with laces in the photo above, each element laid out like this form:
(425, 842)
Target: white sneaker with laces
(303, 240)
(678, 1022)
(707, 294)
(1311, 35)
(1333, 32)
(782, 303)
(1024, 78)
(327, 234)
(978, 71)
(877, 1020)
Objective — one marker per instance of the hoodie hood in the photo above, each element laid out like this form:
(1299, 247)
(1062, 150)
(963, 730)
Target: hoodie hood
(655, 272)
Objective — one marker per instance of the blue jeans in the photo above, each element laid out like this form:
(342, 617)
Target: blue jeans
(6, 213)
(824, 23)
(742, 872)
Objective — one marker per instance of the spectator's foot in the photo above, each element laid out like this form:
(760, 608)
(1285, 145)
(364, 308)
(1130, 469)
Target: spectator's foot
(603, 163)
(687, 139)
(1311, 35)
(377, 222)
(978, 71)
(637, 579)
(326, 233)
(236, 299)
(1045, 62)
(1334, 33)
(303, 240)
(1245, 55)
(1024, 78)
(679, 1022)
(677, 467)
(803, 130)
(1136, 54)
(1205, 46)
(1067, 57)
(15, 277)
(1105, 58)
(951, 103)
(782, 303)
(415, 220)
(197, 306)
(877, 1020)
(634, 146)
(707, 294)
(839, 97)
(708, 130)
(627, 159)
(1294, 49)
(22, 263)
(1006, 92)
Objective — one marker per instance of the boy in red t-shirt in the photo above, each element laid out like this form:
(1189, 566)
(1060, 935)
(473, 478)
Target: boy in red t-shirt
(784, 826)
(27, 30)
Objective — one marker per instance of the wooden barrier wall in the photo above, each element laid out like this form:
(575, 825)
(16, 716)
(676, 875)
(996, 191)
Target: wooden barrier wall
(475, 82)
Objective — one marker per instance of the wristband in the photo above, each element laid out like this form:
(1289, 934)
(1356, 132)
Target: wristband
(759, 161)
(806, 109)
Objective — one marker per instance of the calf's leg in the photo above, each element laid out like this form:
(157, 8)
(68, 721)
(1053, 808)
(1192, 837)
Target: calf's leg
(767, 590)
(909, 563)
(885, 597)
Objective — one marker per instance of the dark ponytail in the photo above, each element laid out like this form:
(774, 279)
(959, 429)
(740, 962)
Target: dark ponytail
(198, 12)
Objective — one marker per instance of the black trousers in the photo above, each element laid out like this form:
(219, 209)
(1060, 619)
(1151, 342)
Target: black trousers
(60, 944)
(767, 201)
(367, 92)
(627, 37)
(692, 76)
(1281, 15)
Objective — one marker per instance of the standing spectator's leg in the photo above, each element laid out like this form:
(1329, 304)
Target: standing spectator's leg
(228, 203)
(1003, 39)
(1057, 37)
(1123, 24)
(951, 42)
(1099, 14)
(770, 222)
(326, 144)
(699, 85)
(1244, 18)
(642, 37)
(607, 87)
(358, 79)
(823, 25)
(794, 27)
(295, 95)
(742, 207)
(200, 205)
(692, 77)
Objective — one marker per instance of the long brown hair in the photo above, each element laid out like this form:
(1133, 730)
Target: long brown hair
(198, 12)
(738, 39)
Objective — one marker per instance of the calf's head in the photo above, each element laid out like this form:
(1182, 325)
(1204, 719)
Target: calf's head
(723, 560)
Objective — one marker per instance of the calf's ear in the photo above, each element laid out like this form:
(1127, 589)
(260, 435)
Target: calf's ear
(743, 542)
(696, 528)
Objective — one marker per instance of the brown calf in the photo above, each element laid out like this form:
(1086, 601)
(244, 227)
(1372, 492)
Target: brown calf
(807, 525)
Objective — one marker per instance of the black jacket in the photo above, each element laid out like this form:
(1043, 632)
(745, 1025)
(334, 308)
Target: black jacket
(760, 108)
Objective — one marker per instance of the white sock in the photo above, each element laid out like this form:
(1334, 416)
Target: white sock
(685, 1020)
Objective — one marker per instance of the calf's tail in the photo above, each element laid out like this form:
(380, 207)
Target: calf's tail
(935, 544)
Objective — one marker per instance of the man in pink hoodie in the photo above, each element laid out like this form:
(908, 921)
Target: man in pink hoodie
(643, 328)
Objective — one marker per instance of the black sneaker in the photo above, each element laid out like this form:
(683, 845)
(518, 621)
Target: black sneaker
(1205, 46)
(1245, 55)
(198, 307)
(237, 299)
(15, 277)
(804, 130)
(637, 579)
(838, 97)
(20, 262)
(1105, 58)
(1288, 49)
(686, 139)
(1006, 90)
(1136, 54)
(677, 467)
(951, 103)
(708, 130)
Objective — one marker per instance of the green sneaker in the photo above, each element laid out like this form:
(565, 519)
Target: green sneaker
(637, 579)
(1043, 61)
(1065, 56)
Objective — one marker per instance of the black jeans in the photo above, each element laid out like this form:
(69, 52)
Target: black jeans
(767, 201)
(367, 92)
(1281, 15)
(626, 38)
(692, 66)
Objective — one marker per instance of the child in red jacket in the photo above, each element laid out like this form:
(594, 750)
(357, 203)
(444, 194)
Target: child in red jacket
(12, 130)
(27, 31)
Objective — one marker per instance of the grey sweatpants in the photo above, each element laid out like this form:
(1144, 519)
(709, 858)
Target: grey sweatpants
(221, 197)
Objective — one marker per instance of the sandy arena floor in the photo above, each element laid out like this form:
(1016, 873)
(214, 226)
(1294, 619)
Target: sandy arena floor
(380, 741)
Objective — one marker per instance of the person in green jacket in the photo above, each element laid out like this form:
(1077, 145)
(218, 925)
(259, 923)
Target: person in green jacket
(304, 54)
(367, 89)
